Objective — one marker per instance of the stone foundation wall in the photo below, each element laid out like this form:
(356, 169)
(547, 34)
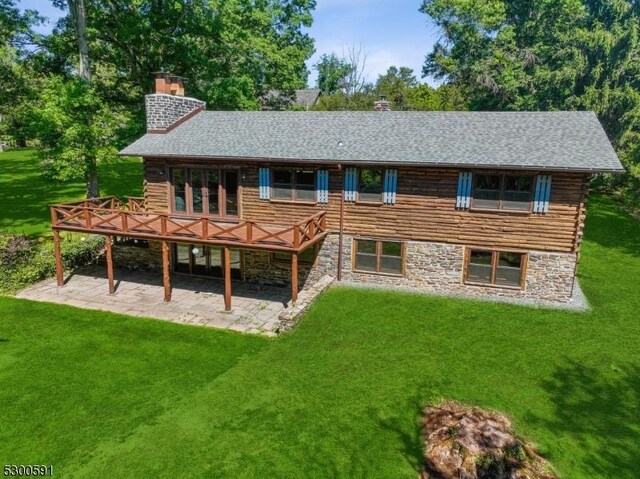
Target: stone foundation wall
(438, 268)
(430, 267)
(259, 268)
(138, 258)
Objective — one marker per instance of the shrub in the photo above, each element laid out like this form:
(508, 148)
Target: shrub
(24, 262)
(13, 248)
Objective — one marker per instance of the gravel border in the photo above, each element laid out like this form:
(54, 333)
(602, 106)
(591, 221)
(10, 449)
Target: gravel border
(578, 301)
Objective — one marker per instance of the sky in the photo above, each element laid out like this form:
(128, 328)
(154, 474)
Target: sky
(390, 32)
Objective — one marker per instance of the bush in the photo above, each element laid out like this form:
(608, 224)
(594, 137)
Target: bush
(24, 262)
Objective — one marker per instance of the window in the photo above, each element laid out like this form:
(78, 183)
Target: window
(497, 268)
(370, 185)
(306, 257)
(507, 192)
(296, 185)
(379, 256)
(179, 181)
(204, 192)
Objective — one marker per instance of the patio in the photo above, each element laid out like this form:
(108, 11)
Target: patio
(199, 301)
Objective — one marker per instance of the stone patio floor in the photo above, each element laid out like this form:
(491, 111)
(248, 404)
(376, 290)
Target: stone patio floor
(199, 301)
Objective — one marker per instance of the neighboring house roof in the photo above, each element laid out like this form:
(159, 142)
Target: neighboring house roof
(520, 140)
(302, 98)
(307, 98)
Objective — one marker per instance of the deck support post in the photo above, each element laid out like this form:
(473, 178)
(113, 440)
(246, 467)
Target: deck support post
(166, 271)
(294, 277)
(227, 278)
(58, 255)
(109, 254)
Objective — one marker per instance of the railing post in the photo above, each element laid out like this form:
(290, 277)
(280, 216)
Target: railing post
(87, 217)
(296, 236)
(163, 225)
(54, 216)
(249, 232)
(125, 222)
(205, 228)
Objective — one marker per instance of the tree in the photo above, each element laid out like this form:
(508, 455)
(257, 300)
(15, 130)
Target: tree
(546, 55)
(395, 85)
(90, 161)
(17, 40)
(76, 129)
(231, 51)
(332, 73)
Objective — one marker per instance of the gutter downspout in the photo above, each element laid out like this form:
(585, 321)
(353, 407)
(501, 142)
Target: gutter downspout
(340, 233)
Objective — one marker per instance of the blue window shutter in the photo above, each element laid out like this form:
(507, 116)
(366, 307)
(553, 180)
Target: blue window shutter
(322, 186)
(390, 187)
(463, 198)
(350, 184)
(542, 194)
(264, 183)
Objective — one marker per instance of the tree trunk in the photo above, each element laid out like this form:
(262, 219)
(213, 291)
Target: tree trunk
(79, 13)
(93, 185)
(77, 9)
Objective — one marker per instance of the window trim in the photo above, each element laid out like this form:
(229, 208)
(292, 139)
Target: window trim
(403, 256)
(359, 186)
(294, 183)
(500, 207)
(494, 263)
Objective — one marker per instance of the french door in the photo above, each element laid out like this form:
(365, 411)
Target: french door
(203, 260)
(200, 191)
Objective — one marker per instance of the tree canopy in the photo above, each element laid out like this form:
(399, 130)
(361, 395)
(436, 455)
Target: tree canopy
(545, 55)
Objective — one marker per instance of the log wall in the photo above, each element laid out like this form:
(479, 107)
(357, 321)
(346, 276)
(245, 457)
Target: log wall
(424, 210)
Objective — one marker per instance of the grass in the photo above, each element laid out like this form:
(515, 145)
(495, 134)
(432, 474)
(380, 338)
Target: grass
(104, 395)
(26, 194)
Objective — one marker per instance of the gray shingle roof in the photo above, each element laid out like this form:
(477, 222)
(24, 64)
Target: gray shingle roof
(531, 140)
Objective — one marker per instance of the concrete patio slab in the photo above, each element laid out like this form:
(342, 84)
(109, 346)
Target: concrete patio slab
(255, 309)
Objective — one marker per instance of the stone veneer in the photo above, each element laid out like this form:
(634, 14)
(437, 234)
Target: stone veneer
(164, 110)
(438, 268)
(430, 267)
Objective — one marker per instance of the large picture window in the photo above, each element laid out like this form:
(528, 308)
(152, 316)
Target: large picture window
(200, 191)
(294, 185)
(378, 256)
(502, 191)
(370, 185)
(498, 268)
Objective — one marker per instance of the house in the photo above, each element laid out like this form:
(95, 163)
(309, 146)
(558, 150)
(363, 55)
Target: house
(482, 204)
(302, 100)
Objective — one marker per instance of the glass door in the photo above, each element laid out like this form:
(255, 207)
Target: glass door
(202, 260)
(231, 193)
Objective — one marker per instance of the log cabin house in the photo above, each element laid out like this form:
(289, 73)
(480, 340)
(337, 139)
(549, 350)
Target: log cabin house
(483, 204)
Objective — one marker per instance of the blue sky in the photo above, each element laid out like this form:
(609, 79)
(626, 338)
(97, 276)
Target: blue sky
(391, 32)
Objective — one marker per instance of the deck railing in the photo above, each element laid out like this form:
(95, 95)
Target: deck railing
(111, 216)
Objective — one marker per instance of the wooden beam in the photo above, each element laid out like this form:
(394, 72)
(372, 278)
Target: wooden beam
(108, 242)
(294, 277)
(166, 271)
(227, 278)
(58, 255)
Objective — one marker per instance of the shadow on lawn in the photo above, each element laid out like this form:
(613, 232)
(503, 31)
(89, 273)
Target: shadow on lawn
(28, 194)
(591, 403)
(609, 226)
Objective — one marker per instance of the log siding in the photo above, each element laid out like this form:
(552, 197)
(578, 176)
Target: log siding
(425, 208)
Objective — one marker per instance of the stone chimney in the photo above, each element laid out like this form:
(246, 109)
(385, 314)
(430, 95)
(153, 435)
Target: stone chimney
(168, 107)
(382, 104)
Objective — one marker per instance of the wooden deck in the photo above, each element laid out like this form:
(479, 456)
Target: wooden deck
(110, 216)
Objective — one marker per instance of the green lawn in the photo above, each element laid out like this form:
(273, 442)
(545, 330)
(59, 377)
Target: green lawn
(26, 195)
(103, 395)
